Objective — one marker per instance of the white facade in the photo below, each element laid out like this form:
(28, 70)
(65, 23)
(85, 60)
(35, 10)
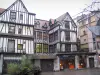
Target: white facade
(26, 30)
(16, 18)
(19, 10)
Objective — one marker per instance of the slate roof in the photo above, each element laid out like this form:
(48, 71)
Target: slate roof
(62, 17)
(95, 30)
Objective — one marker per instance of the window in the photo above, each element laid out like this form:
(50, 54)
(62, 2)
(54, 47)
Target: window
(45, 26)
(67, 33)
(20, 30)
(55, 48)
(11, 29)
(68, 47)
(67, 24)
(84, 32)
(38, 48)
(51, 38)
(45, 36)
(51, 49)
(11, 45)
(39, 35)
(98, 45)
(13, 15)
(21, 16)
(55, 36)
(20, 47)
(45, 48)
(84, 39)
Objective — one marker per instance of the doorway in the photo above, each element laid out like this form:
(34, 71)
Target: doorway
(47, 65)
(91, 62)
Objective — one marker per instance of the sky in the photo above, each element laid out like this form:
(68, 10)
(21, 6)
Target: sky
(50, 9)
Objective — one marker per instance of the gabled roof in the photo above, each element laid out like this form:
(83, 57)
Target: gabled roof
(14, 4)
(62, 17)
(42, 22)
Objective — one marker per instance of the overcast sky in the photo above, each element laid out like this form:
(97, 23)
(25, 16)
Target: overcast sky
(46, 9)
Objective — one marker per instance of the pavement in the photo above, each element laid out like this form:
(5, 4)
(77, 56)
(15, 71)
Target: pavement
(74, 72)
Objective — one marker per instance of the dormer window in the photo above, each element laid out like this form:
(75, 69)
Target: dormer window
(12, 15)
(45, 26)
(21, 16)
(55, 22)
(50, 23)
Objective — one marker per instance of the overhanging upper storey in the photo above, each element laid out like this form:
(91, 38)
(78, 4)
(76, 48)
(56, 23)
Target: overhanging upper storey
(17, 13)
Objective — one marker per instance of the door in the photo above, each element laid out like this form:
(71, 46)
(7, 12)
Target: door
(4, 67)
(11, 45)
(91, 62)
(47, 65)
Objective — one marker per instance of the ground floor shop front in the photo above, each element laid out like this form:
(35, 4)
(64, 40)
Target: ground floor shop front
(54, 62)
(66, 61)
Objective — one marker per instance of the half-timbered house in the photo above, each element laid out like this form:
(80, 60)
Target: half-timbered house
(16, 33)
(62, 40)
(51, 44)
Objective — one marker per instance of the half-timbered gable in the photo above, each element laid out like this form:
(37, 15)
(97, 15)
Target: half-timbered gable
(67, 22)
(16, 29)
(17, 13)
(62, 34)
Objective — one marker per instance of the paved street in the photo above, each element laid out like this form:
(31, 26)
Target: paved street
(75, 72)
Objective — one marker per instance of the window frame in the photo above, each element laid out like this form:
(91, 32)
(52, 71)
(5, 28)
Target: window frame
(18, 47)
(39, 35)
(12, 15)
(20, 29)
(10, 29)
(45, 36)
(67, 24)
(21, 16)
(67, 35)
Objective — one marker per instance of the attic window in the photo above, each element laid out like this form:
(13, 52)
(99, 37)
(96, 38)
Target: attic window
(45, 25)
(50, 23)
(67, 24)
(21, 16)
(55, 22)
(13, 15)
